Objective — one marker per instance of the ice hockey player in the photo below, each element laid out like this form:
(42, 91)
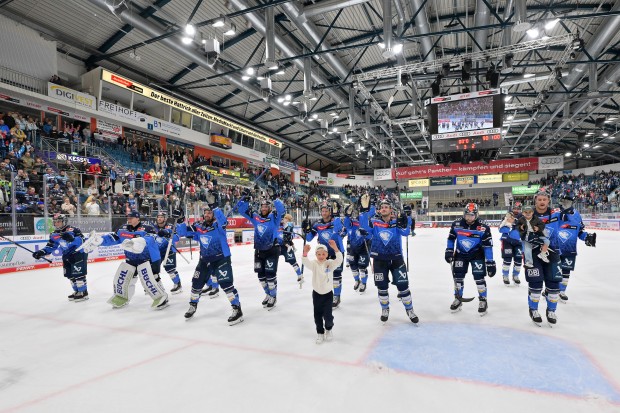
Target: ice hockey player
(214, 259)
(470, 242)
(67, 239)
(544, 273)
(511, 248)
(358, 249)
(325, 229)
(165, 233)
(141, 257)
(266, 223)
(386, 250)
(322, 281)
(287, 249)
(571, 229)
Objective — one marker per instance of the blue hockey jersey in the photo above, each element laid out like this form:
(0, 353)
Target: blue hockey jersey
(211, 237)
(510, 233)
(570, 229)
(385, 237)
(150, 253)
(65, 247)
(162, 242)
(471, 241)
(326, 231)
(265, 228)
(356, 240)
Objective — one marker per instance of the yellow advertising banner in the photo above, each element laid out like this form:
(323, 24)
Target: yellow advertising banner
(145, 91)
(517, 176)
(464, 180)
(419, 182)
(489, 179)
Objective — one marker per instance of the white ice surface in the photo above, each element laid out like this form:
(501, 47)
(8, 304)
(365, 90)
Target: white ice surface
(59, 356)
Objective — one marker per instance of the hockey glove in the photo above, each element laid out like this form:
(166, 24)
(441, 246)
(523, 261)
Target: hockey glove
(348, 210)
(449, 255)
(37, 255)
(179, 215)
(365, 203)
(306, 226)
(402, 221)
(491, 268)
(164, 233)
(67, 236)
(591, 240)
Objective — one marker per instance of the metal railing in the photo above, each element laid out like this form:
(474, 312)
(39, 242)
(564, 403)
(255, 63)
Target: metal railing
(22, 81)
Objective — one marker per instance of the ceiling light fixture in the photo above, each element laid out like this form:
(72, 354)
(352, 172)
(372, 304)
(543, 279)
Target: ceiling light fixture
(551, 24)
(533, 32)
(190, 30)
(219, 22)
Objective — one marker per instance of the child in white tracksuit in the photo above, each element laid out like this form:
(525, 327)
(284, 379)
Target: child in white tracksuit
(322, 284)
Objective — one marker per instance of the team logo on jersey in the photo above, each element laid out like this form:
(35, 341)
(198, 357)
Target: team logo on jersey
(568, 262)
(326, 236)
(478, 265)
(467, 244)
(205, 241)
(261, 229)
(269, 264)
(169, 261)
(63, 243)
(77, 269)
(564, 235)
(385, 236)
(362, 260)
(222, 273)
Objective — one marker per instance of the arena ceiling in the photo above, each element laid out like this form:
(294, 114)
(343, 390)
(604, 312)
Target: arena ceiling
(564, 98)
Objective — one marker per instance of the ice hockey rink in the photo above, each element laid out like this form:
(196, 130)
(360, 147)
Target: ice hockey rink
(59, 356)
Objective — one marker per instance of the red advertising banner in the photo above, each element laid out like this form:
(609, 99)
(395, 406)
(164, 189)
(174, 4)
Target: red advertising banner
(474, 168)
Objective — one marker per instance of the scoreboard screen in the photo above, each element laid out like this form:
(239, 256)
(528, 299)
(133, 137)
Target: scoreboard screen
(466, 122)
(468, 143)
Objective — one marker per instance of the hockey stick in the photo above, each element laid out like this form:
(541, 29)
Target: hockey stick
(21, 246)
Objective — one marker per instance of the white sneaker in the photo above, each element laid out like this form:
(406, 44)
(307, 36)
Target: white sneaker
(543, 256)
(319, 339)
(328, 335)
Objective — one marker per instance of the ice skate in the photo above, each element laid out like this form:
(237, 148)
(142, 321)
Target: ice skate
(80, 296)
(191, 310)
(160, 303)
(456, 306)
(177, 288)
(362, 289)
(482, 307)
(563, 298)
(118, 302)
(71, 297)
(535, 316)
(551, 318)
(412, 316)
(265, 300)
(271, 303)
(516, 280)
(328, 335)
(356, 285)
(336, 301)
(213, 293)
(319, 339)
(506, 280)
(237, 315)
(385, 313)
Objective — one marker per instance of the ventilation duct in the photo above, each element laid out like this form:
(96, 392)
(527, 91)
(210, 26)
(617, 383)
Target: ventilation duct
(270, 40)
(520, 18)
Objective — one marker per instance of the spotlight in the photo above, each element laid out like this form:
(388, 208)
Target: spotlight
(230, 31)
(249, 71)
(219, 22)
(186, 40)
(190, 30)
(551, 24)
(533, 32)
